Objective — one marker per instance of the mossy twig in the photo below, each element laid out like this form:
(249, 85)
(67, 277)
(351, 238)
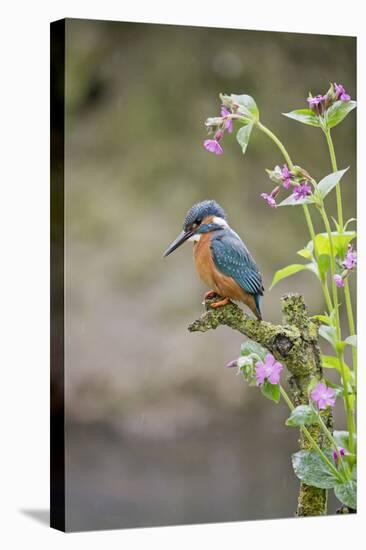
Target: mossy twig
(294, 343)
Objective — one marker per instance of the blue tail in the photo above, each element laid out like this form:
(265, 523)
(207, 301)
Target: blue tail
(257, 299)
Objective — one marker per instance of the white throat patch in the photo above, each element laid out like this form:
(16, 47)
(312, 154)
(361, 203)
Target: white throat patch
(220, 221)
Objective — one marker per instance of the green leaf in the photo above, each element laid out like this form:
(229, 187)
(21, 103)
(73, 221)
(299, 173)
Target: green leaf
(271, 391)
(250, 347)
(286, 272)
(338, 111)
(243, 136)
(303, 414)
(312, 470)
(291, 201)
(306, 116)
(247, 105)
(329, 334)
(332, 362)
(347, 493)
(340, 242)
(323, 265)
(324, 319)
(351, 340)
(341, 437)
(329, 182)
(305, 253)
(290, 270)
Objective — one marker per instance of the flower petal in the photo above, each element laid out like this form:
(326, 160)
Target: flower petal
(321, 404)
(213, 146)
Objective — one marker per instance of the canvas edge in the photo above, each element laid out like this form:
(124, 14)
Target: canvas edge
(57, 333)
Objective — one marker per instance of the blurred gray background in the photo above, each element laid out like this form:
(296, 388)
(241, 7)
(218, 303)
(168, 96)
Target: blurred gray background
(158, 431)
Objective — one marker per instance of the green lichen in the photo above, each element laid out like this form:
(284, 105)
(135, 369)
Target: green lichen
(311, 501)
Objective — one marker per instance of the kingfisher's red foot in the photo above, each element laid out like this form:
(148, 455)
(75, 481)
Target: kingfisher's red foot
(210, 294)
(220, 303)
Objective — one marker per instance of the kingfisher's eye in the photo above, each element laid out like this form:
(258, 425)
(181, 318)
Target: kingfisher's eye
(195, 224)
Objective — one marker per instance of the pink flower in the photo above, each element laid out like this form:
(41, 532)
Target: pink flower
(323, 396)
(317, 104)
(341, 453)
(302, 191)
(350, 259)
(341, 92)
(271, 199)
(269, 370)
(286, 176)
(314, 101)
(213, 146)
(228, 123)
(339, 281)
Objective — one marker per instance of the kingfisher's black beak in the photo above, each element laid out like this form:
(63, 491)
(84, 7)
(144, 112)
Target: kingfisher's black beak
(182, 237)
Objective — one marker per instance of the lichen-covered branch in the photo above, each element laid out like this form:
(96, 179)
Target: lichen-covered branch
(294, 343)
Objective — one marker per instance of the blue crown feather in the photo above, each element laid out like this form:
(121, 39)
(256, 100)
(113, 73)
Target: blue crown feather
(201, 210)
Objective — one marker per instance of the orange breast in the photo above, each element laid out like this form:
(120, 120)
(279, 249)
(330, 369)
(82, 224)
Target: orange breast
(223, 285)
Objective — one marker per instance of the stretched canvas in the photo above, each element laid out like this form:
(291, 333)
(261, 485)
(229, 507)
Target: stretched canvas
(240, 145)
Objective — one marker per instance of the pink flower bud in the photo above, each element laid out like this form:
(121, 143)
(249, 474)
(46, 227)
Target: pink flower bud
(339, 281)
(232, 364)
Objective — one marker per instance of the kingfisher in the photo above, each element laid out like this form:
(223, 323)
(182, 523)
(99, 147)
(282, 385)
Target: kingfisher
(222, 260)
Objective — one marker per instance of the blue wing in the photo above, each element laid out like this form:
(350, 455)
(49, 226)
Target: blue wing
(232, 258)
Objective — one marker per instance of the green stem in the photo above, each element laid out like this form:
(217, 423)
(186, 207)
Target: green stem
(332, 269)
(351, 324)
(306, 211)
(312, 233)
(290, 164)
(290, 404)
(349, 411)
(310, 226)
(277, 142)
(323, 456)
(327, 296)
(333, 443)
(310, 438)
(338, 187)
(309, 223)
